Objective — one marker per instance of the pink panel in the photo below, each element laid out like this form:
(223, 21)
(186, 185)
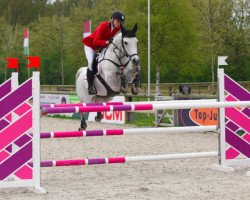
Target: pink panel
(15, 130)
(22, 109)
(24, 172)
(3, 155)
(9, 117)
(231, 153)
(247, 137)
(230, 98)
(238, 118)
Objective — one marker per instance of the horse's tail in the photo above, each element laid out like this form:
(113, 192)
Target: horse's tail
(78, 73)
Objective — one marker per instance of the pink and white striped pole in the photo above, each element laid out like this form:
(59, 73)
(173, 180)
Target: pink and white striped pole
(132, 131)
(145, 107)
(123, 159)
(123, 103)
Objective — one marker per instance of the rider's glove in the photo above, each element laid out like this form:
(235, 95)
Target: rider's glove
(110, 40)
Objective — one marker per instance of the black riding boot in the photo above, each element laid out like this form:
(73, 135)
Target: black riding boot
(90, 78)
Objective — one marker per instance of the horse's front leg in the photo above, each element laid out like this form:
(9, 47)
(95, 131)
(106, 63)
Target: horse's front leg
(124, 84)
(83, 124)
(98, 117)
(136, 84)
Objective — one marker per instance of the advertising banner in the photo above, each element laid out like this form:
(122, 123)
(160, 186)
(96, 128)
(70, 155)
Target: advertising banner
(111, 117)
(197, 116)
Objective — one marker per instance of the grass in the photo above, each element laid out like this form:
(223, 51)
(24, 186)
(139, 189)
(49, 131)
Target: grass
(61, 117)
(142, 119)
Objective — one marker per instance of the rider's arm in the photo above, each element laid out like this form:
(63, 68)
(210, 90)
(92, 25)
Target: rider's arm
(98, 40)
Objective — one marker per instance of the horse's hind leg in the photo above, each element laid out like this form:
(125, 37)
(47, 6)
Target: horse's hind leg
(98, 117)
(83, 125)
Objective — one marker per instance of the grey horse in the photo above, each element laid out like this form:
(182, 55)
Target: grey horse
(118, 67)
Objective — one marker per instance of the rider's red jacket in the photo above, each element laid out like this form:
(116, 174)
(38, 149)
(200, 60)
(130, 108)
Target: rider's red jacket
(100, 36)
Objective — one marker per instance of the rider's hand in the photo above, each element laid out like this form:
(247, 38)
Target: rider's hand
(110, 40)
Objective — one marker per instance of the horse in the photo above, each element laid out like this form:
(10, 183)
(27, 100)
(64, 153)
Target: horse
(118, 67)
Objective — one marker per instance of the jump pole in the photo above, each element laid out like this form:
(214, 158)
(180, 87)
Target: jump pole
(123, 103)
(132, 131)
(122, 159)
(138, 107)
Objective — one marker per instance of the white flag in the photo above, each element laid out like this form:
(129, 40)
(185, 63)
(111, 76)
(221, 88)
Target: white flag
(222, 60)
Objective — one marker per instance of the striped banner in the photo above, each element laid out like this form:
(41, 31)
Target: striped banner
(15, 143)
(237, 122)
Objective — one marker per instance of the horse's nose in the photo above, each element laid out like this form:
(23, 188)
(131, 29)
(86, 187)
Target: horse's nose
(135, 61)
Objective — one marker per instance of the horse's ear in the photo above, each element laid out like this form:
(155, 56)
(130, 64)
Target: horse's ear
(134, 28)
(122, 29)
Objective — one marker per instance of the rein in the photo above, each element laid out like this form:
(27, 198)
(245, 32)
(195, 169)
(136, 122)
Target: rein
(124, 52)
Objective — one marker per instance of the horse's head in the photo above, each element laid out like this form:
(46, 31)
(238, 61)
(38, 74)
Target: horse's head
(126, 45)
(129, 44)
(123, 54)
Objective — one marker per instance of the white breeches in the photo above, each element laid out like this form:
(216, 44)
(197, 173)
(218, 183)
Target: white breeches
(89, 52)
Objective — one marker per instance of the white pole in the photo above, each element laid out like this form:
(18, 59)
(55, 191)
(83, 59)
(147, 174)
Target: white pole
(36, 133)
(148, 49)
(172, 156)
(169, 130)
(14, 80)
(222, 116)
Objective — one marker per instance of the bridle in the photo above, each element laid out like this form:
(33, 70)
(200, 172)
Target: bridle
(124, 52)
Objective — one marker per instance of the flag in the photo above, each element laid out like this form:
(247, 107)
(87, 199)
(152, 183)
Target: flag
(86, 28)
(34, 62)
(222, 60)
(86, 32)
(12, 63)
(26, 42)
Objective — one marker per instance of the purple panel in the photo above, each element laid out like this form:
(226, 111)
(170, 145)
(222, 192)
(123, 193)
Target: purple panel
(3, 124)
(94, 104)
(21, 94)
(236, 90)
(95, 161)
(46, 163)
(246, 111)
(48, 110)
(9, 148)
(94, 133)
(5, 88)
(46, 135)
(22, 140)
(122, 107)
(232, 126)
(14, 162)
(236, 142)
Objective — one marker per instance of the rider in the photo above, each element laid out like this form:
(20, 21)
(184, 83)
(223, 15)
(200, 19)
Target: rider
(100, 38)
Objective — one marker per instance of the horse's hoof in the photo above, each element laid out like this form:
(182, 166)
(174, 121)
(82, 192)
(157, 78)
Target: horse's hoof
(124, 90)
(135, 90)
(82, 128)
(97, 119)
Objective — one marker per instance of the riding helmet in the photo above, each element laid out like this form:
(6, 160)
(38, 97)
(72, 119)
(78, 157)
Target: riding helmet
(119, 16)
